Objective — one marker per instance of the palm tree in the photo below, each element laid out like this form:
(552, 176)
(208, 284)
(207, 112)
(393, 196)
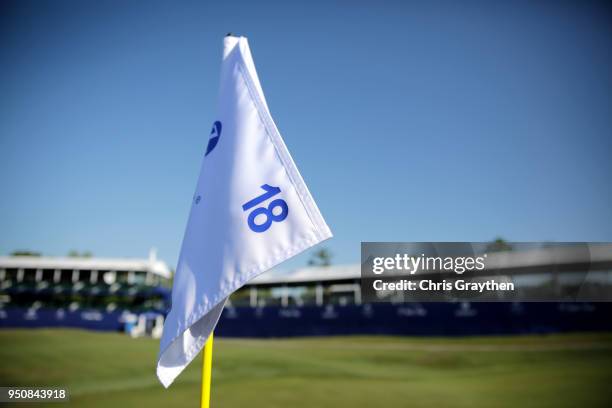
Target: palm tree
(499, 245)
(322, 257)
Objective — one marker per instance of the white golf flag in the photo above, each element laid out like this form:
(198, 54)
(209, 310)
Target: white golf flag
(251, 211)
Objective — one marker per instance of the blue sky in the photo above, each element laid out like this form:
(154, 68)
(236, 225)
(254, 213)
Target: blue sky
(410, 121)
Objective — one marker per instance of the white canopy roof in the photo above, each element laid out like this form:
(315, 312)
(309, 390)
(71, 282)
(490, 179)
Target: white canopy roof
(310, 274)
(598, 255)
(152, 264)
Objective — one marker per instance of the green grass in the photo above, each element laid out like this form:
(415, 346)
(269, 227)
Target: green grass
(112, 370)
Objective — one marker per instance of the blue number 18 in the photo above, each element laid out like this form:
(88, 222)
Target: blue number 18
(270, 192)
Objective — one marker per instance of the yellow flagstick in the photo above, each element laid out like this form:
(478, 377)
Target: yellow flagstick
(207, 372)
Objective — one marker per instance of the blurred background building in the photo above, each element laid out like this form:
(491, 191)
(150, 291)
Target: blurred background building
(85, 292)
(133, 295)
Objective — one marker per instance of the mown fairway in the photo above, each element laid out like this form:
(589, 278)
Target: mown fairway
(112, 370)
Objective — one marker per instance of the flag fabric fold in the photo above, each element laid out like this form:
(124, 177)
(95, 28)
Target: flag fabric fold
(251, 211)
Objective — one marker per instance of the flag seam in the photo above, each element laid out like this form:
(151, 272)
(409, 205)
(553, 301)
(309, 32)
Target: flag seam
(314, 214)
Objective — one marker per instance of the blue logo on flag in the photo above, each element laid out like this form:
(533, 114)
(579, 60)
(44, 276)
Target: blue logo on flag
(215, 134)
